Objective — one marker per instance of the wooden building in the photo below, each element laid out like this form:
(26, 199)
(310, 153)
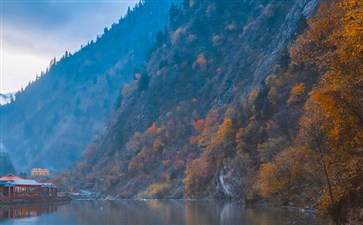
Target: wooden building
(40, 172)
(12, 186)
(49, 189)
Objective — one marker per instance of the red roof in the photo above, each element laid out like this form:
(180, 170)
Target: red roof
(10, 177)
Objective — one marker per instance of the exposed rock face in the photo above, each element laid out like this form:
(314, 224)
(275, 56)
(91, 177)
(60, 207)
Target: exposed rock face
(289, 29)
(230, 183)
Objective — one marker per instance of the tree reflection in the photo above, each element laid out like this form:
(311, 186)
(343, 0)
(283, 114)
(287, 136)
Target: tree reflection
(160, 212)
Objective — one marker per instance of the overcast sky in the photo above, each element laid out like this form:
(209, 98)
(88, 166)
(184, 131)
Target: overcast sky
(34, 31)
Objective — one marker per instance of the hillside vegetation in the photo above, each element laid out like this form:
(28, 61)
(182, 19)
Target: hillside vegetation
(254, 101)
(216, 102)
(54, 118)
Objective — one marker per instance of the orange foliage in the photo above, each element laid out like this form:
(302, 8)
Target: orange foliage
(193, 140)
(166, 162)
(158, 143)
(334, 44)
(202, 62)
(293, 172)
(297, 92)
(152, 130)
(253, 95)
(298, 89)
(197, 174)
(225, 133)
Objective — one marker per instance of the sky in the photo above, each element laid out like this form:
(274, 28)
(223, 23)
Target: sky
(32, 32)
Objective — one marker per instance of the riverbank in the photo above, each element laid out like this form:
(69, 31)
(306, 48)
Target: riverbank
(32, 199)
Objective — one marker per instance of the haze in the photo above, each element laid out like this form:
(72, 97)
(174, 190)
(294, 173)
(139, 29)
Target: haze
(33, 32)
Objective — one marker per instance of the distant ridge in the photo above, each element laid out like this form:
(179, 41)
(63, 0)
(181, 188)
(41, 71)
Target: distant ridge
(6, 98)
(54, 118)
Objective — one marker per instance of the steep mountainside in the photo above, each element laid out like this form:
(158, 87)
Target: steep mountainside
(190, 124)
(57, 116)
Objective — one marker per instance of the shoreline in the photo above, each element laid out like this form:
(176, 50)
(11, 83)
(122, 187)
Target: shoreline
(38, 199)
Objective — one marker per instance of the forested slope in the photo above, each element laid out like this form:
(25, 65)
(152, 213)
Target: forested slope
(249, 100)
(54, 119)
(217, 98)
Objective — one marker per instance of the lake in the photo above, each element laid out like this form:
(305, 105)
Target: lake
(154, 212)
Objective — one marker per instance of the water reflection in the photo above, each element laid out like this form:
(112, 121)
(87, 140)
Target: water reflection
(162, 212)
(23, 211)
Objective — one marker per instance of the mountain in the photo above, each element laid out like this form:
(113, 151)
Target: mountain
(53, 120)
(252, 100)
(208, 107)
(6, 98)
(6, 167)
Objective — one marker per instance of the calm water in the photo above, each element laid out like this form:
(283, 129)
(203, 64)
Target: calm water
(164, 212)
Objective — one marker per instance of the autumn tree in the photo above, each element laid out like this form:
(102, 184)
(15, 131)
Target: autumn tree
(274, 145)
(218, 143)
(292, 177)
(225, 137)
(244, 165)
(313, 132)
(333, 43)
(198, 175)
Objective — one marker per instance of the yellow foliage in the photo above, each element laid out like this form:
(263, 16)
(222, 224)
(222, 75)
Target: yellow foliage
(298, 89)
(155, 190)
(334, 44)
(292, 172)
(296, 93)
(152, 130)
(253, 95)
(225, 133)
(158, 143)
(268, 178)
